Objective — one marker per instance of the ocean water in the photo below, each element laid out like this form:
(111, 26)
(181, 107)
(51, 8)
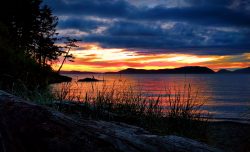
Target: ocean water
(226, 96)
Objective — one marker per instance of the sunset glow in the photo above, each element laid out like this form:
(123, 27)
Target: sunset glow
(154, 34)
(94, 58)
(125, 75)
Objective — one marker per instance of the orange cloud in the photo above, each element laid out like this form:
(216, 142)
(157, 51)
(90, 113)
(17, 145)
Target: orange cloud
(92, 57)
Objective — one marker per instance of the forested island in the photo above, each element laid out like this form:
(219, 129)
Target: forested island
(180, 70)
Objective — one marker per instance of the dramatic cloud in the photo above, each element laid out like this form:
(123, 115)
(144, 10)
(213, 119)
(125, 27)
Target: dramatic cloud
(81, 24)
(214, 13)
(91, 57)
(195, 27)
(180, 37)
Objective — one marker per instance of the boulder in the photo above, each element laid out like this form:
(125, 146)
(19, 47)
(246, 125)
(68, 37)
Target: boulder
(27, 127)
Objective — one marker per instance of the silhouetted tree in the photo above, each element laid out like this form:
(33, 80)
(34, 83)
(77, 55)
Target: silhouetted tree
(69, 44)
(46, 49)
(32, 29)
(27, 41)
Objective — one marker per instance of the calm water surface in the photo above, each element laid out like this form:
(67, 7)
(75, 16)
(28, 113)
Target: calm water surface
(227, 96)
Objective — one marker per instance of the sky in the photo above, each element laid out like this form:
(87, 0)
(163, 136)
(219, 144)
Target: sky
(155, 34)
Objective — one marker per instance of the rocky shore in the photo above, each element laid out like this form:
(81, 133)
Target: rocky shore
(27, 127)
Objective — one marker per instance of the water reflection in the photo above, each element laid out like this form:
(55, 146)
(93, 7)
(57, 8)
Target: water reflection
(224, 95)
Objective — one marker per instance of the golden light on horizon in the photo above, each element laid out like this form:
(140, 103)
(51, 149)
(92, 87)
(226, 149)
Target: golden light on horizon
(247, 56)
(80, 67)
(192, 59)
(92, 57)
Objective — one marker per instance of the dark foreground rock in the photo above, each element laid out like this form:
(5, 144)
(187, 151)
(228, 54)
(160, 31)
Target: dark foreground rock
(26, 127)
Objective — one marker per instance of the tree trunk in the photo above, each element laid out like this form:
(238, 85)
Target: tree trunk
(64, 60)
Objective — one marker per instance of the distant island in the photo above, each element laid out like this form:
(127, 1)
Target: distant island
(89, 80)
(224, 71)
(238, 71)
(244, 70)
(78, 72)
(180, 70)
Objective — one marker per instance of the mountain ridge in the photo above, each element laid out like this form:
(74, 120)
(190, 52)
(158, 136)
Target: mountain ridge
(181, 70)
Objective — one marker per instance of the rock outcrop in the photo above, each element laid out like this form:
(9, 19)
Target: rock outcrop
(89, 80)
(27, 127)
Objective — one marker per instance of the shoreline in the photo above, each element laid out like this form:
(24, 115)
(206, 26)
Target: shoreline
(238, 120)
(225, 135)
(217, 118)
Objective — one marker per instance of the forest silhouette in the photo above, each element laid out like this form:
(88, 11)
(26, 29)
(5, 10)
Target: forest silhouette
(27, 43)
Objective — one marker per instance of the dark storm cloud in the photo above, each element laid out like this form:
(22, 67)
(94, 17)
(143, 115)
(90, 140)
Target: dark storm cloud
(80, 24)
(166, 45)
(204, 15)
(125, 28)
(212, 13)
(152, 37)
(200, 26)
(211, 2)
(100, 8)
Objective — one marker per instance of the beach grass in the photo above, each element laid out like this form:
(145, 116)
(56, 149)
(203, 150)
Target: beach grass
(175, 111)
(178, 110)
